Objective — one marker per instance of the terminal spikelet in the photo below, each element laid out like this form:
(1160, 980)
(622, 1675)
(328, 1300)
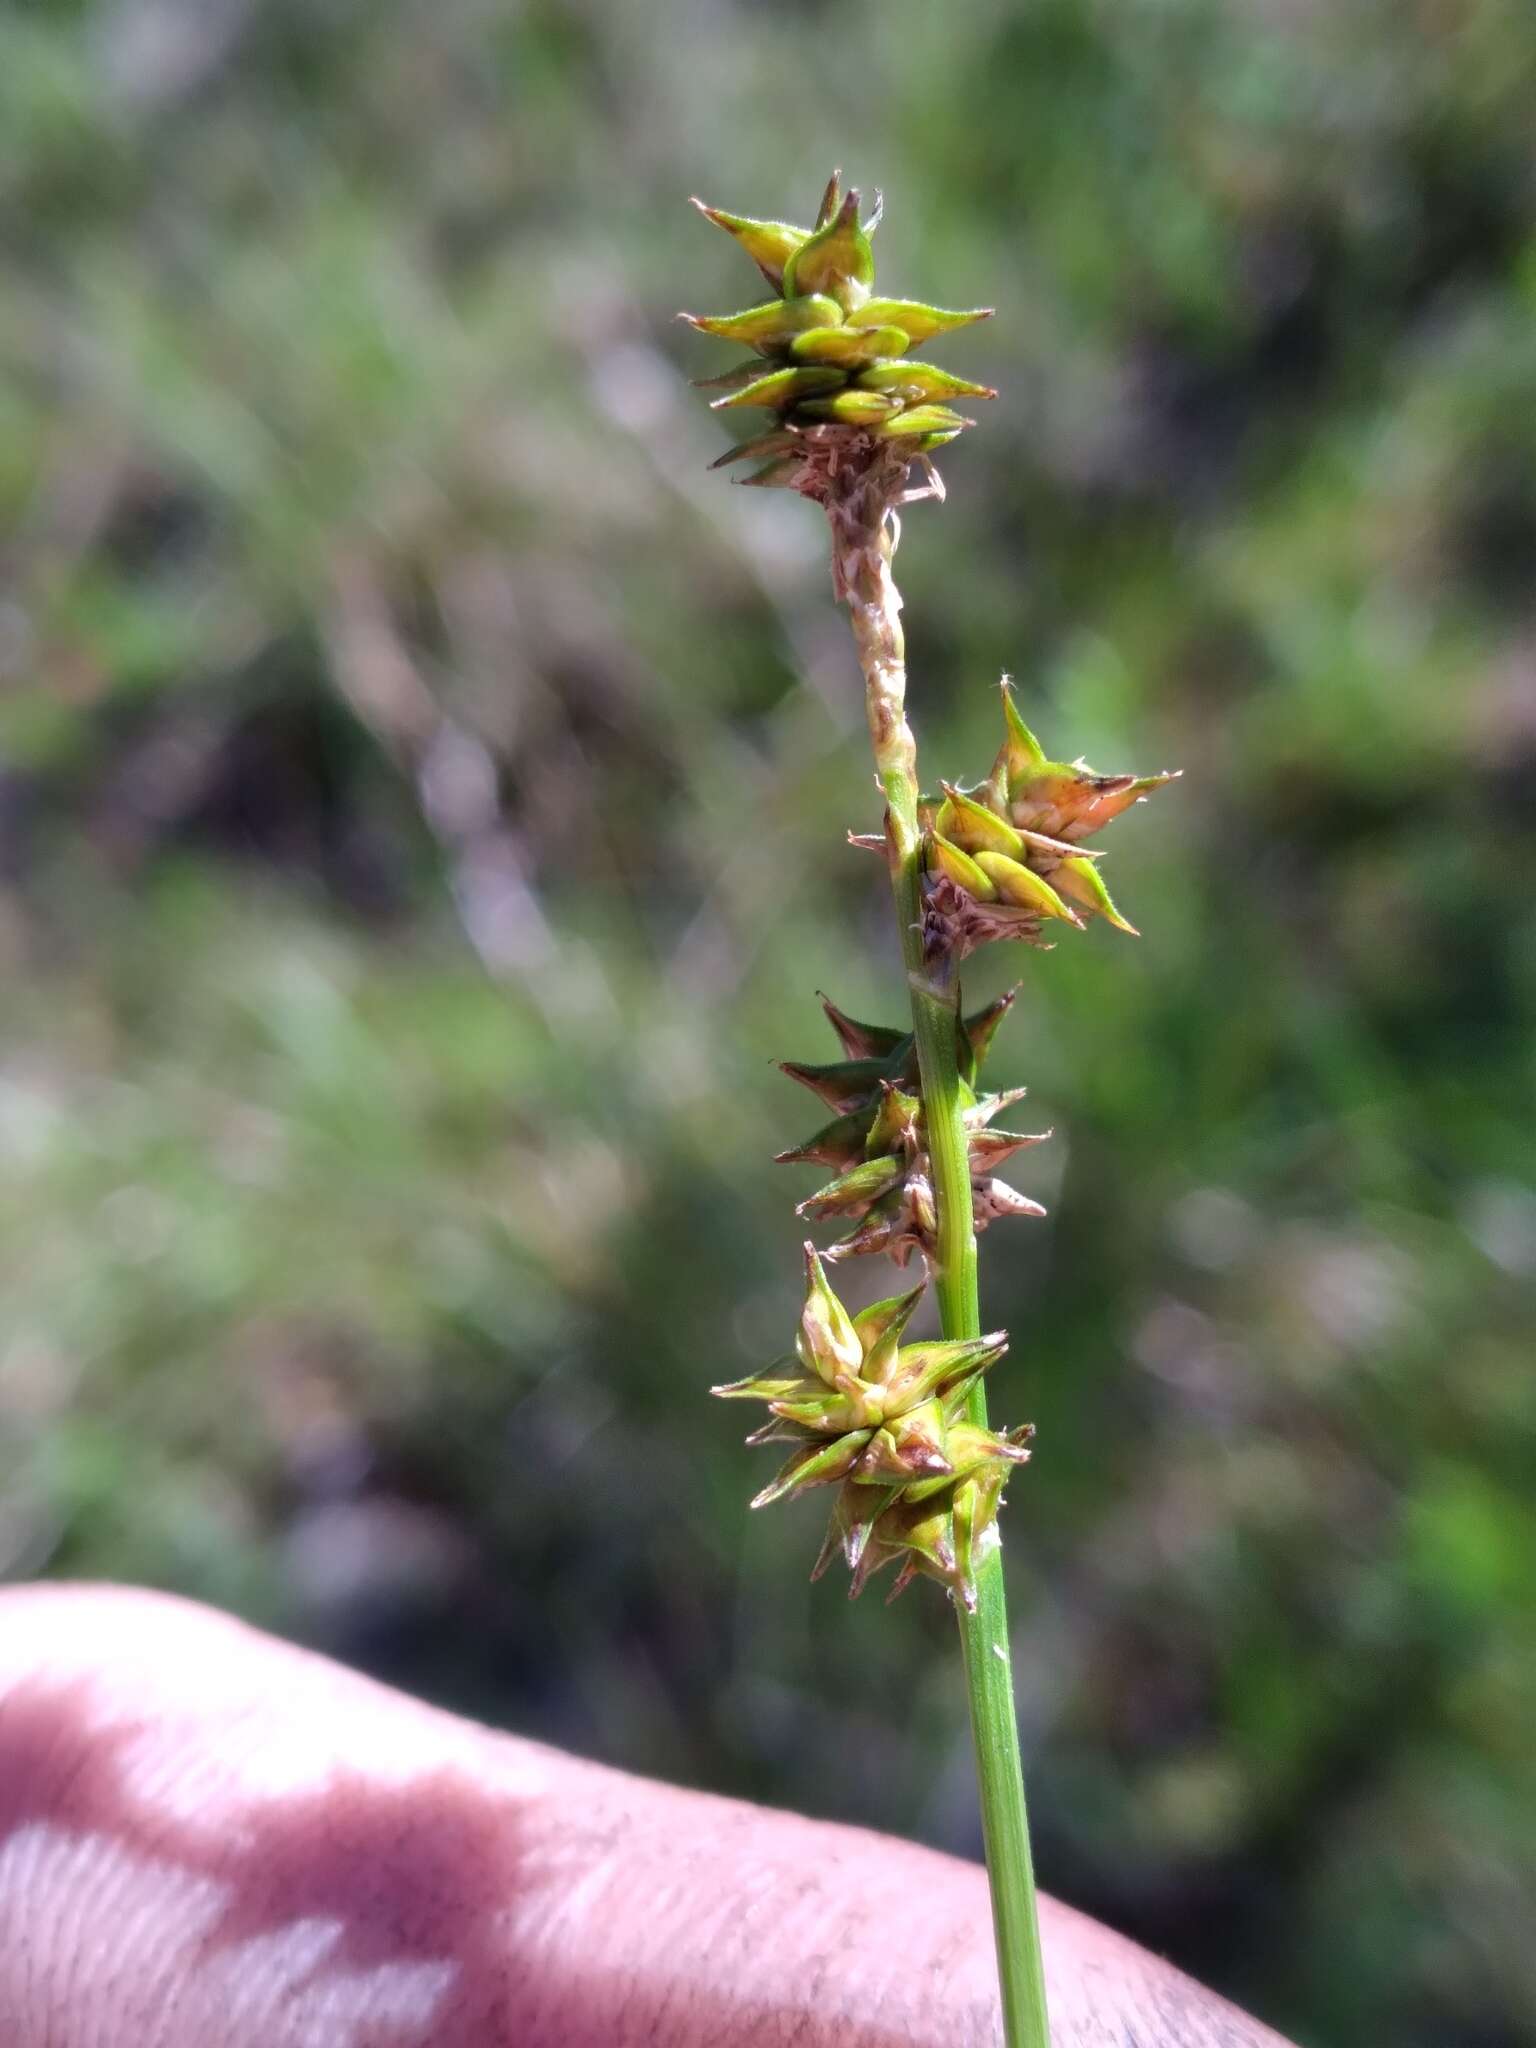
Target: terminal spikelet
(831, 360)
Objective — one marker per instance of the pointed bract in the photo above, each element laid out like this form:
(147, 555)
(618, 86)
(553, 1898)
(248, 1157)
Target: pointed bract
(770, 243)
(783, 475)
(843, 1085)
(994, 1198)
(770, 328)
(839, 1144)
(864, 1041)
(980, 1028)
(917, 383)
(939, 1366)
(971, 825)
(816, 1464)
(880, 1328)
(1022, 752)
(919, 322)
(854, 1193)
(1078, 878)
(775, 442)
(991, 1148)
(778, 390)
(827, 1343)
(836, 260)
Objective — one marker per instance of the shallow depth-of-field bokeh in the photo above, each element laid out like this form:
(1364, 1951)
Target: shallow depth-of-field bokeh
(422, 793)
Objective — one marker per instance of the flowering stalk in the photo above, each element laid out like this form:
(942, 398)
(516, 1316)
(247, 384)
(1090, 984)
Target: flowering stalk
(862, 571)
(902, 1430)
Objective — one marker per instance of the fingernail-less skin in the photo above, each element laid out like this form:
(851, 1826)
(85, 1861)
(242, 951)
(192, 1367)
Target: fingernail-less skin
(209, 1839)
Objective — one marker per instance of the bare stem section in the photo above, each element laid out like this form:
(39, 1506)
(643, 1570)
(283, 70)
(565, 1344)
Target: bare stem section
(863, 537)
(862, 518)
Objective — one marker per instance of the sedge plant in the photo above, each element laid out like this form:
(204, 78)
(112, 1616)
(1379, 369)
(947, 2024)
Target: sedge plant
(900, 1430)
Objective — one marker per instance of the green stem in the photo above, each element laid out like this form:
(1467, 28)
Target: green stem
(862, 543)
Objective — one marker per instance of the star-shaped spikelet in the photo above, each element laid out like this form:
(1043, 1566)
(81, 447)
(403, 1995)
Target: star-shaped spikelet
(886, 1422)
(1005, 860)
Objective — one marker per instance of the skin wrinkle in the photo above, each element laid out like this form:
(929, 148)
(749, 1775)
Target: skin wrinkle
(420, 1872)
(414, 1873)
(97, 1913)
(483, 1892)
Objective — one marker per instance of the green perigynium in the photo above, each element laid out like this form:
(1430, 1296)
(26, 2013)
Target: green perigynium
(886, 1421)
(831, 359)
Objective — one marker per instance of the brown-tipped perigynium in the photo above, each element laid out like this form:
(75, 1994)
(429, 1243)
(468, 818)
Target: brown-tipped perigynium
(877, 1142)
(1005, 860)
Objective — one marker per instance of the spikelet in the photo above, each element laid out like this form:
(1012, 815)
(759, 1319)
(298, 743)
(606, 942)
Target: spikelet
(885, 1422)
(832, 362)
(877, 1146)
(1005, 860)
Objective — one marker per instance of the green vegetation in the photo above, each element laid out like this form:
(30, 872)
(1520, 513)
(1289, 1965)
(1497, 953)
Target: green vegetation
(417, 775)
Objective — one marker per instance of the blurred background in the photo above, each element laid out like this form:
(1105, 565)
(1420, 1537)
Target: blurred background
(422, 791)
